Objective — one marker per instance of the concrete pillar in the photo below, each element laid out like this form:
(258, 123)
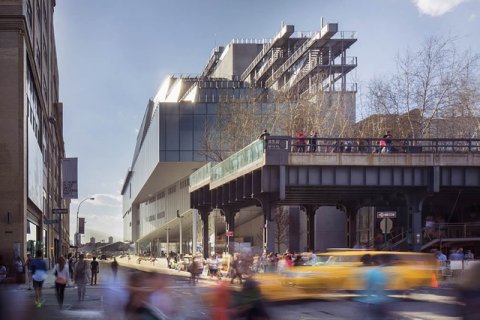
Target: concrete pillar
(168, 241)
(194, 231)
(181, 235)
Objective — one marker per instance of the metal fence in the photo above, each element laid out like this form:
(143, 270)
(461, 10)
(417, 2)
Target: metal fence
(372, 145)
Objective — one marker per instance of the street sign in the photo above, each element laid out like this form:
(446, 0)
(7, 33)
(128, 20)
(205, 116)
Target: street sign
(60, 211)
(51, 221)
(229, 233)
(386, 225)
(386, 214)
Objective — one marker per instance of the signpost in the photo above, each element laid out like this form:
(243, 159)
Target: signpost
(60, 211)
(51, 221)
(386, 223)
(386, 214)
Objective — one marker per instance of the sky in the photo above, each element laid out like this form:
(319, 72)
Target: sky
(114, 54)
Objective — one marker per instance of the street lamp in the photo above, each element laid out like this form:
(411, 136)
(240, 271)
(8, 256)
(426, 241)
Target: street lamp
(77, 235)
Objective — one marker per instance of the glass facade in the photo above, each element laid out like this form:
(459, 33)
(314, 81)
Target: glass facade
(182, 130)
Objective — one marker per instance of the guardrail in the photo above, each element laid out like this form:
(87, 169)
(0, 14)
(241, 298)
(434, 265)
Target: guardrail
(372, 145)
(248, 155)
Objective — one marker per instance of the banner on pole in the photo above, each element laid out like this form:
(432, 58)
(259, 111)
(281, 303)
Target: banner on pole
(70, 178)
(81, 225)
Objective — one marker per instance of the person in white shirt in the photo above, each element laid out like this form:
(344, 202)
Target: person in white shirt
(62, 274)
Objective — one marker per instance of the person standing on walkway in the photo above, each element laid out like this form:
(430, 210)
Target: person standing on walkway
(62, 275)
(28, 270)
(39, 274)
(81, 277)
(94, 268)
(114, 266)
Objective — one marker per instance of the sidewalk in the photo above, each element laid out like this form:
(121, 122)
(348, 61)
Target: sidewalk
(160, 266)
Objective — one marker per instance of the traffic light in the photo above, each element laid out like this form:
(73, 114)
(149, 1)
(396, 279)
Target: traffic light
(81, 225)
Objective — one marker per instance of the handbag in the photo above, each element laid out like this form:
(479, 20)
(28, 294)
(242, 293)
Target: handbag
(61, 280)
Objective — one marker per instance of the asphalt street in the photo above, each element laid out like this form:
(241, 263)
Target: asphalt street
(180, 300)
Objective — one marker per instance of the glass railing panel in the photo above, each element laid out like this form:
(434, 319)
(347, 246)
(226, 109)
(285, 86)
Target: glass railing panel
(201, 175)
(238, 160)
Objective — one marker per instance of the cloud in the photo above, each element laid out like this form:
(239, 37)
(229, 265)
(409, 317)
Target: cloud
(472, 17)
(107, 200)
(436, 8)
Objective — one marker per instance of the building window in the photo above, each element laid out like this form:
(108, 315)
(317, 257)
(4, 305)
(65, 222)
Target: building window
(161, 195)
(184, 184)
(161, 215)
(172, 189)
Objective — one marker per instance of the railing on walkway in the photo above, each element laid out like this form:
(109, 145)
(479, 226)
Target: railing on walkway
(254, 151)
(455, 230)
(373, 145)
(248, 155)
(200, 176)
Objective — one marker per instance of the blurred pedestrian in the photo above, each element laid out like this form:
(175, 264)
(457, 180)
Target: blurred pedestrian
(301, 141)
(28, 270)
(469, 255)
(213, 264)
(95, 269)
(249, 303)
(62, 275)
(114, 266)
(221, 302)
(469, 288)
(70, 265)
(81, 277)
(375, 279)
(236, 269)
(19, 270)
(264, 135)
(145, 298)
(312, 141)
(3, 272)
(193, 269)
(39, 274)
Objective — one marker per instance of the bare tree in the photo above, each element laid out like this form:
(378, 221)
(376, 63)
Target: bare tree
(281, 219)
(240, 121)
(437, 81)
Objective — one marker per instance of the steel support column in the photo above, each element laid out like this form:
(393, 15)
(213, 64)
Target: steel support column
(415, 204)
(351, 213)
(310, 211)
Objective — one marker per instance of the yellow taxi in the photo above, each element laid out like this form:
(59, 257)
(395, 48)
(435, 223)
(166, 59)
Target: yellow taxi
(345, 270)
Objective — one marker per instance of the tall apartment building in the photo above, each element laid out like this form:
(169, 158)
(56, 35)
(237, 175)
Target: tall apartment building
(169, 144)
(31, 132)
